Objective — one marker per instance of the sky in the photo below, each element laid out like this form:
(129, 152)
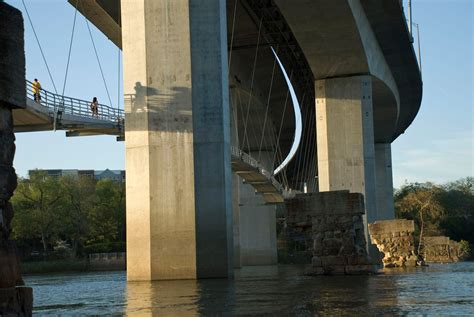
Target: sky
(437, 147)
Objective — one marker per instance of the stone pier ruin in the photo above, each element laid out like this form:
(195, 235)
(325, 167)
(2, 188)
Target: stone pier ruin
(441, 249)
(334, 222)
(15, 298)
(394, 238)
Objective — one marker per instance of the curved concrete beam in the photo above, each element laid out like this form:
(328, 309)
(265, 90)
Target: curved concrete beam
(338, 41)
(383, 107)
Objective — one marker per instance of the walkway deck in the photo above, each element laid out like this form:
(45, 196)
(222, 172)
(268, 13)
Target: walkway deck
(55, 112)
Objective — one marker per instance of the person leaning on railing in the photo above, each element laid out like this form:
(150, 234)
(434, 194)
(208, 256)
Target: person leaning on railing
(95, 107)
(36, 90)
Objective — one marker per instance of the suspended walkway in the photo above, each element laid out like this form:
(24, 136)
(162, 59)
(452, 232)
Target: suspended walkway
(56, 112)
(264, 183)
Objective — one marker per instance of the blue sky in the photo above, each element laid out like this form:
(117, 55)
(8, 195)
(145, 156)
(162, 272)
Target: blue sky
(438, 146)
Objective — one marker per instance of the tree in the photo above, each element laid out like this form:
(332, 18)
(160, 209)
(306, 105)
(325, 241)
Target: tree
(79, 200)
(107, 218)
(74, 209)
(458, 201)
(36, 203)
(420, 202)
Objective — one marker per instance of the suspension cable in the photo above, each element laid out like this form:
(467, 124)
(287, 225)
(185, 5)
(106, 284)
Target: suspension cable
(98, 60)
(266, 110)
(304, 150)
(282, 119)
(253, 77)
(118, 81)
(70, 49)
(297, 166)
(39, 45)
(308, 147)
(245, 138)
(232, 35)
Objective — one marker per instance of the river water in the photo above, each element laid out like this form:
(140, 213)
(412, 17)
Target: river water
(279, 291)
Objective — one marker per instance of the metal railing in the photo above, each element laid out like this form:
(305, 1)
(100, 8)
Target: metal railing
(246, 158)
(75, 107)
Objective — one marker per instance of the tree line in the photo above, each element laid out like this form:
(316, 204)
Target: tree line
(74, 211)
(439, 209)
(89, 215)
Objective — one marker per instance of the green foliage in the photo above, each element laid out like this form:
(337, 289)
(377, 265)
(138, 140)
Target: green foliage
(108, 215)
(439, 210)
(465, 248)
(37, 204)
(78, 210)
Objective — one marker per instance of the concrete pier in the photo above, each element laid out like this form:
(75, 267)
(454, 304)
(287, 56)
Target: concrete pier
(345, 138)
(384, 180)
(257, 229)
(179, 197)
(258, 240)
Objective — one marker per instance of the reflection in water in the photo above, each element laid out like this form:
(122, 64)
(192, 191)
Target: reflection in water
(277, 290)
(171, 297)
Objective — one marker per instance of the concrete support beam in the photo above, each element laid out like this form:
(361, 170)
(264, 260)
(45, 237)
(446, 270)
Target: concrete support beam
(258, 240)
(345, 138)
(179, 197)
(384, 181)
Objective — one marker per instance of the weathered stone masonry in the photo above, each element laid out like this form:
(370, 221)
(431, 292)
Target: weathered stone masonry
(441, 249)
(15, 299)
(394, 238)
(334, 221)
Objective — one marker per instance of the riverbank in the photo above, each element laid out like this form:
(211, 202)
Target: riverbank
(58, 266)
(65, 266)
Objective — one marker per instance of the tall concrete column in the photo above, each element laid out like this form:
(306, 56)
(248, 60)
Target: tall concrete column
(383, 172)
(345, 138)
(179, 221)
(258, 240)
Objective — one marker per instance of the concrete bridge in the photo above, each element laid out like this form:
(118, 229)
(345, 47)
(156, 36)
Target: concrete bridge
(204, 97)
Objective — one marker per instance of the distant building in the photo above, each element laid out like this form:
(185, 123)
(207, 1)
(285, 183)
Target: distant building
(116, 175)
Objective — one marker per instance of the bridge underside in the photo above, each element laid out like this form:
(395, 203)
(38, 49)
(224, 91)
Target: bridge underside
(356, 78)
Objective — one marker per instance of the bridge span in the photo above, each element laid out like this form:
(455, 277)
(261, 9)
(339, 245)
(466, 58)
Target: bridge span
(209, 99)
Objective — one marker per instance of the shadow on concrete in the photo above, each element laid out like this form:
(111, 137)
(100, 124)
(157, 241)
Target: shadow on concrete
(149, 109)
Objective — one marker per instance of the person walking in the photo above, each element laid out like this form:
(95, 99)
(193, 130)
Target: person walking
(95, 107)
(36, 90)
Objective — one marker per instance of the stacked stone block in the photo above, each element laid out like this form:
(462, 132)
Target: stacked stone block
(334, 222)
(394, 238)
(441, 249)
(15, 299)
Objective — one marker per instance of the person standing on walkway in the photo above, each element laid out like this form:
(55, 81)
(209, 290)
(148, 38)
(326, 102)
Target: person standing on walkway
(95, 107)
(36, 90)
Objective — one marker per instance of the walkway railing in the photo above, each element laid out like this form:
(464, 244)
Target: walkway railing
(74, 107)
(244, 157)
